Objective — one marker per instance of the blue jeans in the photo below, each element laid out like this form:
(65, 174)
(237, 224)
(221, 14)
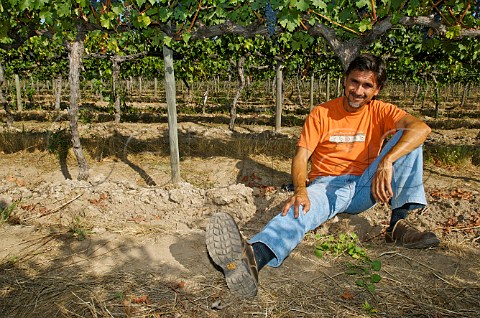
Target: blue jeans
(347, 193)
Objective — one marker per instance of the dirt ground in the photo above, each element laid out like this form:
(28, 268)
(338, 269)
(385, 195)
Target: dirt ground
(128, 243)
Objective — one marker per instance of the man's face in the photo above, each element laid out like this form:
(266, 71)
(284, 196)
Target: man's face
(360, 88)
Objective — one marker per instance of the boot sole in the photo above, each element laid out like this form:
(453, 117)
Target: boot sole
(430, 242)
(225, 247)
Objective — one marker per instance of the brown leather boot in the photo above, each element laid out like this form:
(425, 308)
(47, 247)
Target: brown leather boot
(404, 234)
(229, 250)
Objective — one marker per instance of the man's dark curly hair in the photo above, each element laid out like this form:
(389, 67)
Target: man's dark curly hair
(369, 62)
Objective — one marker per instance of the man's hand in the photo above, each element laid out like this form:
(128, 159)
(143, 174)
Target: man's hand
(414, 134)
(300, 198)
(299, 176)
(382, 181)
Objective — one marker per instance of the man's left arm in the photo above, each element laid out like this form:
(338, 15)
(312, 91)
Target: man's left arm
(414, 134)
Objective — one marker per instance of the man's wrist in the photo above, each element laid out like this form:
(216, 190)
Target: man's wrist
(388, 158)
(299, 188)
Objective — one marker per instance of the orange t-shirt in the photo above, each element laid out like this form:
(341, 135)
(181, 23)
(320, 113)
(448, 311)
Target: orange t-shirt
(343, 142)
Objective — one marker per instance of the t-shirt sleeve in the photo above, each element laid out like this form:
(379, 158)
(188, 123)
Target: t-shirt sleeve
(310, 135)
(391, 114)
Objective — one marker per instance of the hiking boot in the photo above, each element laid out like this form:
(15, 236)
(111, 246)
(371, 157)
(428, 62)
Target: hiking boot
(229, 250)
(404, 234)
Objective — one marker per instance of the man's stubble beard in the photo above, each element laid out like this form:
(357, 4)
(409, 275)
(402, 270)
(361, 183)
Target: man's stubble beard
(354, 105)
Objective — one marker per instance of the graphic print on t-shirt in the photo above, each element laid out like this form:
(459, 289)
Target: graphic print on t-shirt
(347, 138)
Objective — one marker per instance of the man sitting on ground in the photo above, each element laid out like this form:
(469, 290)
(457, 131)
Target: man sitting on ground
(350, 172)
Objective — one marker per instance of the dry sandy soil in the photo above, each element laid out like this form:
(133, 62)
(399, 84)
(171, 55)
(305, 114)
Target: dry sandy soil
(127, 243)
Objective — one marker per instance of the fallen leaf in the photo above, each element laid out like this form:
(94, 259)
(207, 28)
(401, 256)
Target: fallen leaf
(181, 284)
(453, 194)
(347, 295)
(29, 207)
(11, 178)
(141, 300)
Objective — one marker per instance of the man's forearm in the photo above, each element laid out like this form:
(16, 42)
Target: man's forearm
(299, 176)
(414, 134)
(299, 169)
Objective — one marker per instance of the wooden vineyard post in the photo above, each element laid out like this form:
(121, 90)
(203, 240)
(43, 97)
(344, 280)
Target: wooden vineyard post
(327, 87)
(19, 94)
(115, 90)
(279, 96)
(241, 86)
(172, 113)
(312, 81)
(3, 102)
(58, 92)
(76, 52)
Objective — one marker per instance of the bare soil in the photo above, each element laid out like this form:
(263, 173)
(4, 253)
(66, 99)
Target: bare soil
(128, 243)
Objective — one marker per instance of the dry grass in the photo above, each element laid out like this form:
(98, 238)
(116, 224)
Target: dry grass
(101, 141)
(433, 283)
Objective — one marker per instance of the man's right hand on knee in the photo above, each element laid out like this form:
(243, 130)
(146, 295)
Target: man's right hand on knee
(300, 198)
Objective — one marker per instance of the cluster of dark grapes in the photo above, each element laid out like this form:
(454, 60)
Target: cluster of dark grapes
(436, 16)
(94, 3)
(476, 11)
(271, 19)
(127, 17)
(362, 12)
